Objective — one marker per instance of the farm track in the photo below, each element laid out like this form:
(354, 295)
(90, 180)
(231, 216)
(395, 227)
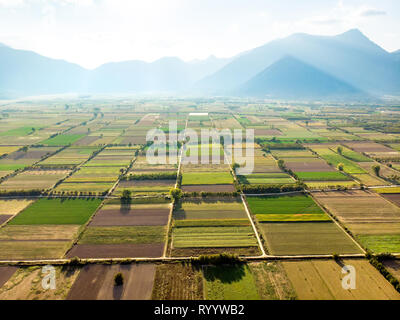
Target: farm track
(177, 259)
(243, 198)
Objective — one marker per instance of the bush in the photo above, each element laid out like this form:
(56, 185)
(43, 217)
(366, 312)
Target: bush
(119, 279)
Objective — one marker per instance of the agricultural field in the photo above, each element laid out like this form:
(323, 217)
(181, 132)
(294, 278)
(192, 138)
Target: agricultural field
(297, 225)
(79, 181)
(373, 220)
(211, 225)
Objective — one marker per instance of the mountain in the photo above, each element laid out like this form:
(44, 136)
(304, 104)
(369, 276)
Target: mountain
(291, 78)
(28, 73)
(396, 55)
(350, 57)
(165, 74)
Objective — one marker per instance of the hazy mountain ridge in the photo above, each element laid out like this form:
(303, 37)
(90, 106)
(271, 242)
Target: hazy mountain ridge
(291, 78)
(350, 57)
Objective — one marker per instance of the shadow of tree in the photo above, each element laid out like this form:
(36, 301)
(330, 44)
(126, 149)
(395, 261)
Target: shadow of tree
(226, 274)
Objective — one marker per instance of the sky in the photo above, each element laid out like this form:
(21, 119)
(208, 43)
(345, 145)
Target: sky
(93, 32)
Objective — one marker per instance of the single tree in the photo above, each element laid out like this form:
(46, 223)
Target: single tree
(176, 193)
(340, 166)
(126, 196)
(376, 169)
(339, 149)
(119, 279)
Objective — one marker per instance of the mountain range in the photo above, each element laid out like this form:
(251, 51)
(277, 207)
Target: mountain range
(300, 66)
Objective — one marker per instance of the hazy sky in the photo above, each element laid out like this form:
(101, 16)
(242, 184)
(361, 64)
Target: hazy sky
(92, 32)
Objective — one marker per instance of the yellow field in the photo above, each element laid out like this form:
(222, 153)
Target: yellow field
(26, 283)
(322, 280)
(7, 149)
(12, 207)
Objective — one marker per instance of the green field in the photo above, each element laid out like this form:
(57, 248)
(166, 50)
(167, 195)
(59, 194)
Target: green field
(196, 178)
(381, 243)
(306, 238)
(322, 176)
(210, 209)
(230, 283)
(57, 211)
(213, 237)
(297, 204)
(335, 159)
(62, 140)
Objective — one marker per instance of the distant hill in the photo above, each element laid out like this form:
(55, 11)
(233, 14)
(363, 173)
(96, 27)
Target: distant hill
(291, 78)
(165, 74)
(396, 55)
(27, 73)
(350, 57)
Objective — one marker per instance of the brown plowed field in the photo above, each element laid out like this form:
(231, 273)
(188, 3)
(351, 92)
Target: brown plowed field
(142, 217)
(267, 132)
(4, 218)
(85, 141)
(6, 273)
(116, 251)
(394, 197)
(97, 282)
(368, 147)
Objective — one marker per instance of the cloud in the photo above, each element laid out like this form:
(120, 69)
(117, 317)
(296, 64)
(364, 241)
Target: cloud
(11, 3)
(372, 13)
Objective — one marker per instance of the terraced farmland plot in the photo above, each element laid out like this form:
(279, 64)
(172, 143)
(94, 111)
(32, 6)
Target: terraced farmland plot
(374, 221)
(354, 156)
(151, 214)
(212, 226)
(69, 157)
(62, 140)
(142, 165)
(178, 282)
(96, 174)
(34, 179)
(211, 178)
(266, 178)
(309, 238)
(375, 150)
(56, 212)
(8, 149)
(97, 282)
(230, 283)
(286, 208)
(120, 242)
(335, 159)
(22, 159)
(75, 188)
(26, 284)
(322, 280)
(322, 176)
(9, 208)
(196, 209)
(145, 187)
